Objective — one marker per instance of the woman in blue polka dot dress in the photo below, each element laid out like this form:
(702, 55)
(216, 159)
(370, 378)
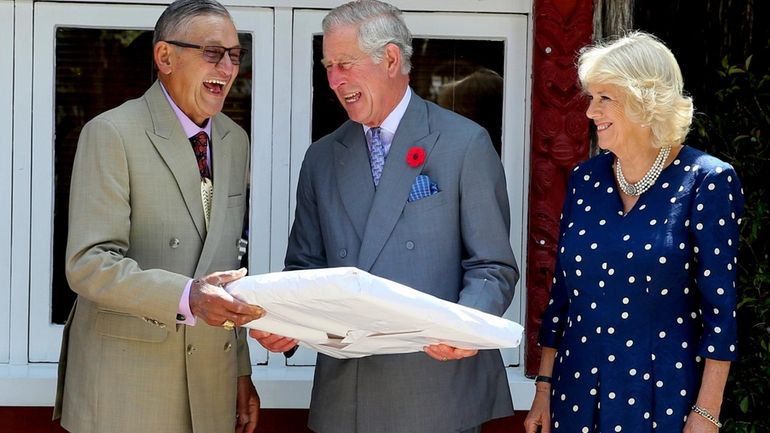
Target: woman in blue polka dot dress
(640, 328)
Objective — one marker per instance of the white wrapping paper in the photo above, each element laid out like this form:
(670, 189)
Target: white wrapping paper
(349, 313)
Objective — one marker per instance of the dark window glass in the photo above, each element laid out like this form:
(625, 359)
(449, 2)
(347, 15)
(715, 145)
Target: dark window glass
(465, 76)
(96, 70)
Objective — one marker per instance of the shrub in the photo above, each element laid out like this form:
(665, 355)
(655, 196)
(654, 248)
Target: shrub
(735, 126)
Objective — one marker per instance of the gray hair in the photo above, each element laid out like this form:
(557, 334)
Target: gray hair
(379, 24)
(649, 75)
(177, 16)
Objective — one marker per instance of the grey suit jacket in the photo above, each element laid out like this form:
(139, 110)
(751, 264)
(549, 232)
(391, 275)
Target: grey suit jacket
(453, 244)
(136, 236)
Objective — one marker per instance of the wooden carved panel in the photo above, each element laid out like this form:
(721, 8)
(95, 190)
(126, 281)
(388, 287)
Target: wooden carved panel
(559, 141)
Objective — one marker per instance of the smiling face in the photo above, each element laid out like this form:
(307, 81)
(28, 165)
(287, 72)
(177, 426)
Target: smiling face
(368, 91)
(198, 87)
(615, 131)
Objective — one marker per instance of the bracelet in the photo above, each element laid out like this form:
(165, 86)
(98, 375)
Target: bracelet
(706, 414)
(546, 379)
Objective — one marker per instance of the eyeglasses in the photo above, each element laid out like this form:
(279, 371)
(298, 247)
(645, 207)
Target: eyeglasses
(214, 53)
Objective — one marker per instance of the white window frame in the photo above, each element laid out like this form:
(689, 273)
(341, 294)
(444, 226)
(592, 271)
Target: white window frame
(277, 150)
(6, 137)
(45, 337)
(513, 29)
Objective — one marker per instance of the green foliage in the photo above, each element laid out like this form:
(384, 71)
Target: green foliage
(735, 126)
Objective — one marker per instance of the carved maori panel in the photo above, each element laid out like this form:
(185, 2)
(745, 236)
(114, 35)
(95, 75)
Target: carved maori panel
(559, 141)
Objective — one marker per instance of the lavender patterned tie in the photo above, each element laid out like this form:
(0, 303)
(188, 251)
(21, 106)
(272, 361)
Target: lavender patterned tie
(376, 154)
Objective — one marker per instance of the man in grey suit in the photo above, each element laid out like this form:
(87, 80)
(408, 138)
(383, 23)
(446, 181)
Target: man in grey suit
(412, 192)
(157, 205)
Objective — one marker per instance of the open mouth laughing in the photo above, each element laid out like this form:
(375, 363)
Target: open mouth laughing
(215, 86)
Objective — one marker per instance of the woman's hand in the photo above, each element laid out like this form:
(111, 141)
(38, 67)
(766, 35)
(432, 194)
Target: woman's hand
(539, 416)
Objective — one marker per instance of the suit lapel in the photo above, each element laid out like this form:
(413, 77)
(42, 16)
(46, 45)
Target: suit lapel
(221, 151)
(396, 181)
(354, 176)
(174, 147)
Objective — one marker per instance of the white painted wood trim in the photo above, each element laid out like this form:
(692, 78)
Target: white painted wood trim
(6, 172)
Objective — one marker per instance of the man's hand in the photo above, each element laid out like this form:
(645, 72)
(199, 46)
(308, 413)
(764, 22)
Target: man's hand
(247, 406)
(273, 342)
(211, 303)
(443, 352)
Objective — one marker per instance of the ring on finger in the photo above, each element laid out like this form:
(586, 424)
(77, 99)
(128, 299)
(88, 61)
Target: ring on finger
(229, 325)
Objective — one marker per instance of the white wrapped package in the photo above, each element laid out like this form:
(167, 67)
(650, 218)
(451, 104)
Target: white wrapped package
(349, 313)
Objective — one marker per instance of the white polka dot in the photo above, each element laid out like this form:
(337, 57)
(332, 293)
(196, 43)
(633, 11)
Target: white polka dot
(646, 376)
(583, 339)
(632, 372)
(611, 358)
(662, 334)
(582, 232)
(611, 395)
(717, 329)
(602, 222)
(593, 305)
(601, 283)
(618, 428)
(716, 310)
(592, 391)
(631, 401)
(669, 411)
(679, 320)
(625, 300)
(575, 292)
(659, 384)
(626, 237)
(716, 251)
(647, 247)
(624, 315)
(555, 319)
(678, 365)
(610, 330)
(594, 246)
(732, 348)
(598, 329)
(664, 292)
(699, 226)
(707, 272)
(653, 222)
(684, 345)
(720, 291)
(629, 343)
(662, 260)
(646, 415)
(578, 258)
(683, 392)
(585, 430)
(699, 207)
(611, 272)
(594, 370)
(575, 408)
(711, 349)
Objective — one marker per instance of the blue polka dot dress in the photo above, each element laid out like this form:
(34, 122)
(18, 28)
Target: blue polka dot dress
(640, 299)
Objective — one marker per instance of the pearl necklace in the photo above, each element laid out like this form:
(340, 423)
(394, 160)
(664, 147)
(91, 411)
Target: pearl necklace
(649, 178)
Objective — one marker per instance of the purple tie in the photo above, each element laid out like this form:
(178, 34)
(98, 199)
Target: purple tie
(200, 144)
(376, 154)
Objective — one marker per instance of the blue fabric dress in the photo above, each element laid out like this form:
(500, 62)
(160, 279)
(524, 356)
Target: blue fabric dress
(639, 299)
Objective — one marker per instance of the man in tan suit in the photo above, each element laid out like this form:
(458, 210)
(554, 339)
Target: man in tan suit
(157, 206)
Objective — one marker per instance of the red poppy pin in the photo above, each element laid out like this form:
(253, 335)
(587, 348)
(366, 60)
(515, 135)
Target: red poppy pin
(415, 156)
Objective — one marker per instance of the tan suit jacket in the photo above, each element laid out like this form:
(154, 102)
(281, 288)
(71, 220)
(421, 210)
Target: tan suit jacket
(136, 236)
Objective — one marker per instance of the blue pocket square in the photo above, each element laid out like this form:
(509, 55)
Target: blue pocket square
(421, 188)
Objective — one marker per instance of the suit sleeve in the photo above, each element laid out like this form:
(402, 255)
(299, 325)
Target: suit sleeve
(306, 247)
(490, 271)
(97, 267)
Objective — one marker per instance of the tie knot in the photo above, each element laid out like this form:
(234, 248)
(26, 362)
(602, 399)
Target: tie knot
(375, 132)
(201, 138)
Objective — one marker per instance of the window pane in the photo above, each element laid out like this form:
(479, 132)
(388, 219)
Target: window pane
(98, 69)
(465, 76)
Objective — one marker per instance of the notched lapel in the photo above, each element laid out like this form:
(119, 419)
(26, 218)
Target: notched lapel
(354, 176)
(175, 149)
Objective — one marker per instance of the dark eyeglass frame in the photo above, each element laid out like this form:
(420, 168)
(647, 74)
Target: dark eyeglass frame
(215, 53)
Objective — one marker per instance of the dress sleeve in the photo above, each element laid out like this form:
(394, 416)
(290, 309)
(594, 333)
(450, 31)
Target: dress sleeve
(714, 222)
(555, 316)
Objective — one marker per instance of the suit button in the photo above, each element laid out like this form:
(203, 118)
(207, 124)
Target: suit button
(409, 245)
(173, 242)
(190, 349)
(228, 346)
(343, 253)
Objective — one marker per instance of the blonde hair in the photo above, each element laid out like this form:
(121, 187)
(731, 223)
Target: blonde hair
(649, 76)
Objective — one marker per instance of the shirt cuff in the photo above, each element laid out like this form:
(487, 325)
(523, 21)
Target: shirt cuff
(184, 315)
